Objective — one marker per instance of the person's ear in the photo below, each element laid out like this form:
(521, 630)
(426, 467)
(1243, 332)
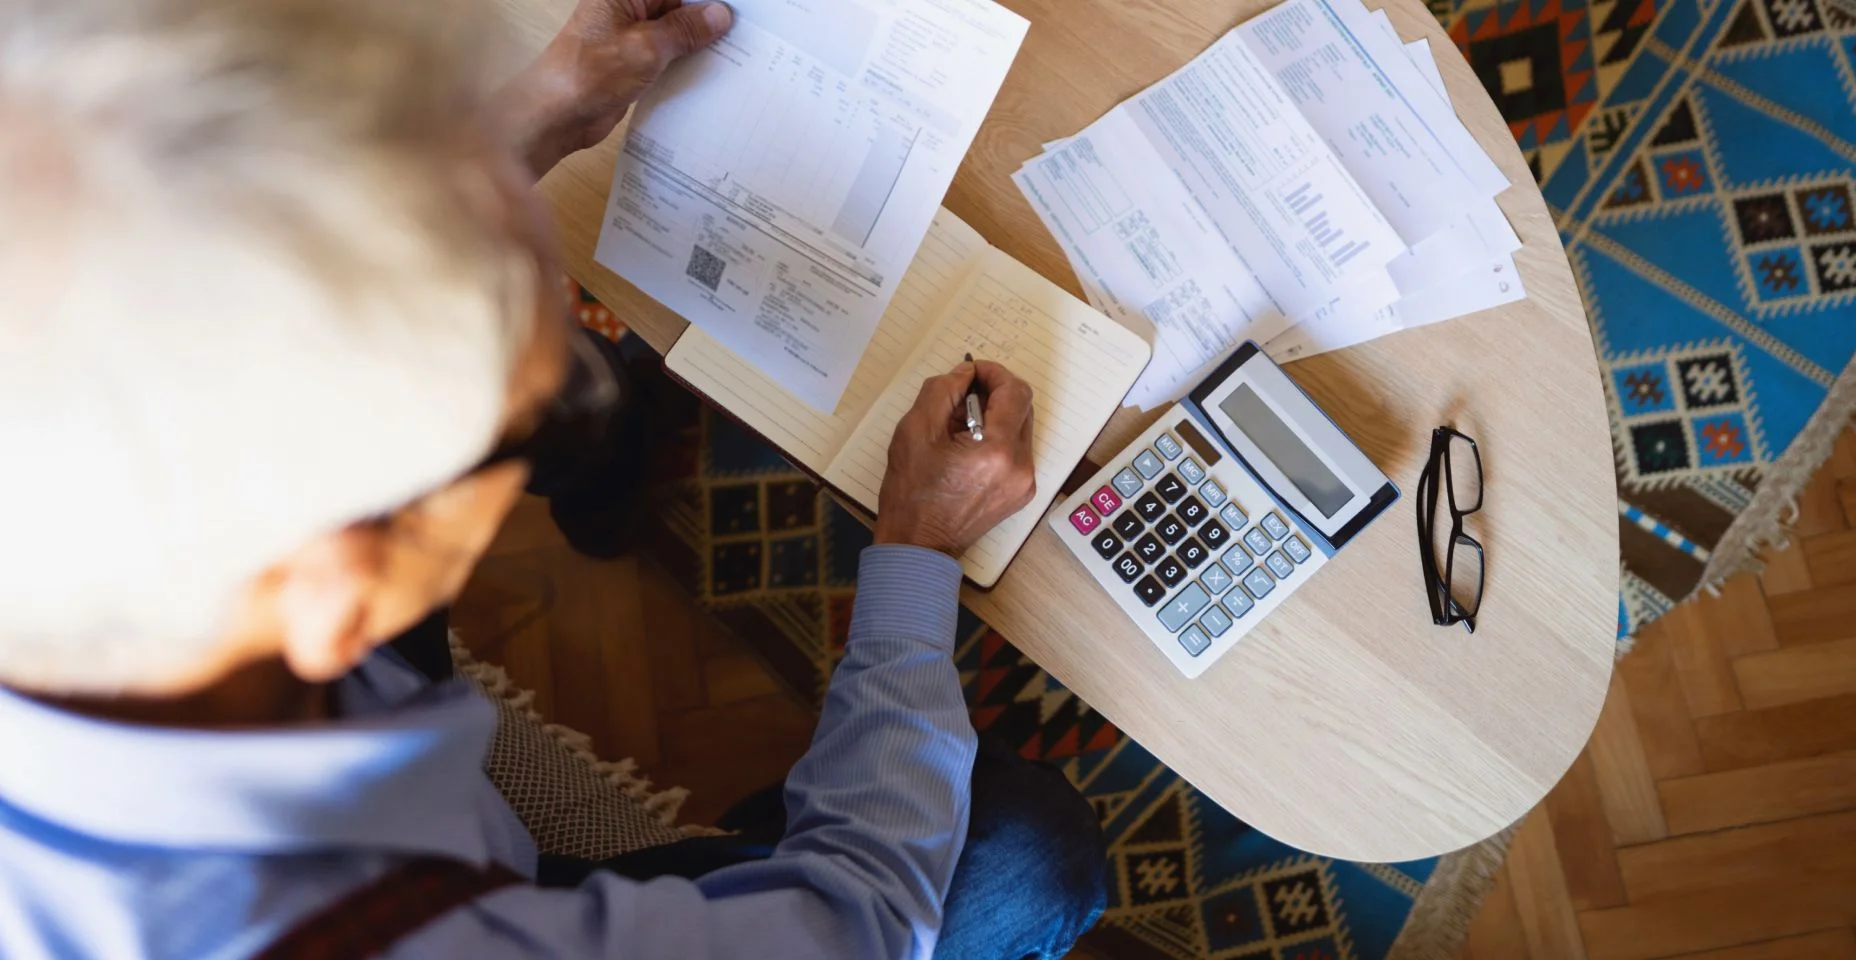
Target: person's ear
(323, 593)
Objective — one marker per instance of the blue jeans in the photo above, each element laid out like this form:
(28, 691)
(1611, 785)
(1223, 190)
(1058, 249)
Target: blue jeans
(1032, 877)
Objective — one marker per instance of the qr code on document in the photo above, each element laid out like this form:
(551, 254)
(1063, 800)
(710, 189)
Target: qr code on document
(705, 268)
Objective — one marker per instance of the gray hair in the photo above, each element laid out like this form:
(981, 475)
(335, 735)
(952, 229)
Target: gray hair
(248, 294)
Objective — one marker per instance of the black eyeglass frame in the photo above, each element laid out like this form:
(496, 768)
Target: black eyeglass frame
(1445, 609)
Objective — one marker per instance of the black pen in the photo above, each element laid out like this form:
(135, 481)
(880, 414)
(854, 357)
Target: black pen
(975, 426)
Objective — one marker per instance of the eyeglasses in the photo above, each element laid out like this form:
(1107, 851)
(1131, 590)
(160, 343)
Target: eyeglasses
(575, 418)
(1455, 588)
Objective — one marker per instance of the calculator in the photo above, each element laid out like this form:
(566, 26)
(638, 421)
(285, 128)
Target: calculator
(1231, 501)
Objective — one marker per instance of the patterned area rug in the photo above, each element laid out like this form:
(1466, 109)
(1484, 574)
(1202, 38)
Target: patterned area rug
(1698, 158)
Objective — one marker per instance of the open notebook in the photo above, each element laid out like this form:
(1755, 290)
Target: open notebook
(960, 295)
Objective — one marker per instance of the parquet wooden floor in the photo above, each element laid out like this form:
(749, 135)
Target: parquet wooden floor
(1713, 814)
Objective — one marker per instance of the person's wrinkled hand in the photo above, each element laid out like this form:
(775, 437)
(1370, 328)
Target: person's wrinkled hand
(602, 61)
(943, 489)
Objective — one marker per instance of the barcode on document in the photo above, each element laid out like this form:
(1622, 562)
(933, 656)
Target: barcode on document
(705, 268)
(1305, 203)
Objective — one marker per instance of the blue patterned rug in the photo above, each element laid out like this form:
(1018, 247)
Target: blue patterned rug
(1698, 158)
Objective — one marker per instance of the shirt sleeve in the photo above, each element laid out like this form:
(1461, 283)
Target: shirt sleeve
(876, 818)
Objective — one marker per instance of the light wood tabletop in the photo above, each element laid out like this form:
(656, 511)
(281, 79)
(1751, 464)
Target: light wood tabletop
(1346, 724)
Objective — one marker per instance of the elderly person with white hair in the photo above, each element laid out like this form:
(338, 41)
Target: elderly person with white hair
(278, 349)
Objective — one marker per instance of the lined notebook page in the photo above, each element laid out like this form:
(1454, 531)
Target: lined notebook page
(800, 431)
(1079, 364)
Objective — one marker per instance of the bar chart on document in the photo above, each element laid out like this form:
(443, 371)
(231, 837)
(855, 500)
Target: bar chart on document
(776, 185)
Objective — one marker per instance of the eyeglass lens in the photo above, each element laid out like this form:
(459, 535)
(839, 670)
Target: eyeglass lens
(1463, 574)
(1463, 473)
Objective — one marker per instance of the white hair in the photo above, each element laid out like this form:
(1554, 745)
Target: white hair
(248, 295)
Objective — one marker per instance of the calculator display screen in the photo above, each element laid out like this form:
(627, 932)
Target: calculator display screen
(1326, 491)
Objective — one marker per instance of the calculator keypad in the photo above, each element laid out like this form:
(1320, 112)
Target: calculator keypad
(1185, 545)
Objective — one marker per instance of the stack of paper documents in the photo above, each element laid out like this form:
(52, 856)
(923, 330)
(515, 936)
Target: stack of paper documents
(1303, 183)
(774, 187)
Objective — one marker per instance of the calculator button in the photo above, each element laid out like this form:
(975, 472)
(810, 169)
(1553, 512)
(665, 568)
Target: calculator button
(1258, 582)
(1129, 525)
(1235, 559)
(1279, 565)
(1192, 511)
(1274, 525)
(1106, 544)
(1192, 552)
(1170, 529)
(1128, 483)
(1213, 494)
(1257, 541)
(1214, 535)
(1190, 469)
(1149, 507)
(1194, 640)
(1171, 571)
(1237, 603)
(1149, 590)
(1216, 579)
(1233, 517)
(1297, 550)
(1168, 447)
(1085, 519)
(1105, 501)
(1149, 549)
(1148, 465)
(1215, 620)
(1183, 607)
(1127, 567)
(1171, 489)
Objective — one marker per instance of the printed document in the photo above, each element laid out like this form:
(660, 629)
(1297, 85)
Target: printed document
(1208, 209)
(774, 187)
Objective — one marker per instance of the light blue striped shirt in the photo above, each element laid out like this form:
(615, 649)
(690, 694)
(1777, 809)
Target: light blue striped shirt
(128, 841)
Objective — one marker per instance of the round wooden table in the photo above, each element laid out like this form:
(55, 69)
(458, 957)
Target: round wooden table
(1346, 724)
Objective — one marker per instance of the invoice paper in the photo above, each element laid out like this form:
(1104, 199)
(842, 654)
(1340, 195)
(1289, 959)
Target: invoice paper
(1207, 207)
(1378, 113)
(774, 186)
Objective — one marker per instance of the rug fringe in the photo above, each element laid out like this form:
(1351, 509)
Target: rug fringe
(1766, 522)
(1440, 916)
(665, 804)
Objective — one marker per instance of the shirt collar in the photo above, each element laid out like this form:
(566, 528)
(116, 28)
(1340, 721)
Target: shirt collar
(402, 771)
